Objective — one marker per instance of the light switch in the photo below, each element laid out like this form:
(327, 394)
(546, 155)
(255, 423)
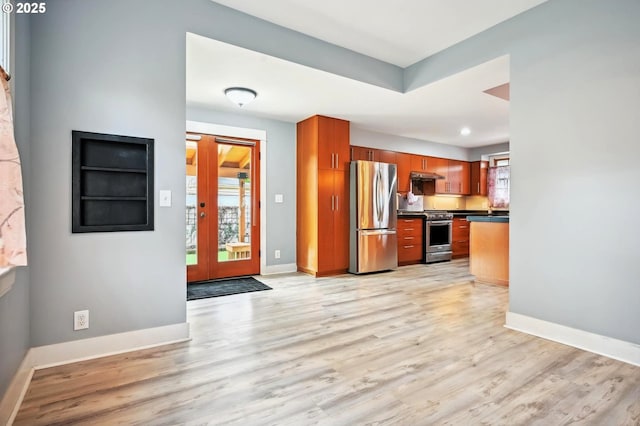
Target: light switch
(165, 198)
(279, 198)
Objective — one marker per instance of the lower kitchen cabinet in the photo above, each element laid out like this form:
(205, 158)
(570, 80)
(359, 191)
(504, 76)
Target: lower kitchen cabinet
(410, 240)
(460, 238)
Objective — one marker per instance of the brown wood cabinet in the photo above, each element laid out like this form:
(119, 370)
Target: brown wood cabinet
(322, 188)
(460, 237)
(419, 163)
(404, 170)
(372, 154)
(457, 176)
(479, 177)
(410, 240)
(361, 153)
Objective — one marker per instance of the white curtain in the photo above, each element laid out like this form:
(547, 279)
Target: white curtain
(498, 182)
(13, 241)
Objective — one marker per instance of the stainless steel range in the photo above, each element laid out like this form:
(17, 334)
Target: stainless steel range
(437, 235)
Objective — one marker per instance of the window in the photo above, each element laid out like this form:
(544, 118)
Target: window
(499, 181)
(5, 40)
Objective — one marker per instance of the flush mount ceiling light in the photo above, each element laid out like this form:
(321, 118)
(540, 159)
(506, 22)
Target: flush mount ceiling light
(465, 131)
(240, 95)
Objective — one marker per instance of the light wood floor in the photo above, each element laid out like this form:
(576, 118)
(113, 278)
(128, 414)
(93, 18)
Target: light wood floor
(421, 345)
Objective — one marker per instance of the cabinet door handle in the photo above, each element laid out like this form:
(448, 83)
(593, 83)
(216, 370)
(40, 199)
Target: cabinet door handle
(409, 238)
(332, 203)
(478, 187)
(408, 229)
(337, 205)
(337, 160)
(407, 247)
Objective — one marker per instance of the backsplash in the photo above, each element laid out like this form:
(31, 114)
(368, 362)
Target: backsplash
(439, 202)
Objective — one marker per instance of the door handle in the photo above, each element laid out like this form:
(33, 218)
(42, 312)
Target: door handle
(202, 214)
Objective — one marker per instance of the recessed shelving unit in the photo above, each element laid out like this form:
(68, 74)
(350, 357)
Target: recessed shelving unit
(112, 181)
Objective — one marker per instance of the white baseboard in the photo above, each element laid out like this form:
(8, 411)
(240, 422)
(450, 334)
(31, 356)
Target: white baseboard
(111, 344)
(279, 269)
(16, 391)
(80, 350)
(602, 345)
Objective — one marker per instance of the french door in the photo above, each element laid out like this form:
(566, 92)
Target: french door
(223, 202)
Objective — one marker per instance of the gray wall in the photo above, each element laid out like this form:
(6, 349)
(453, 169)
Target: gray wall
(575, 70)
(362, 137)
(281, 177)
(476, 154)
(14, 305)
(109, 67)
(118, 67)
(575, 104)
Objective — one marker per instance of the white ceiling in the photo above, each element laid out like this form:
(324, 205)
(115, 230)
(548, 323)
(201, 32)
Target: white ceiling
(398, 32)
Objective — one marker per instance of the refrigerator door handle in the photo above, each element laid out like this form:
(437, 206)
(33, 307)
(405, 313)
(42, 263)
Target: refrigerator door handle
(378, 232)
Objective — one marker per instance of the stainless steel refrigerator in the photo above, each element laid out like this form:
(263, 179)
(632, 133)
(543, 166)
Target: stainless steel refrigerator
(373, 217)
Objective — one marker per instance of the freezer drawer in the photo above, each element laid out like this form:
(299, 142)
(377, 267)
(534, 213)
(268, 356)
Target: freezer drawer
(377, 250)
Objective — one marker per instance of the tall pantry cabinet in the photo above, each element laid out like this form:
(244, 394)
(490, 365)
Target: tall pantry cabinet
(322, 186)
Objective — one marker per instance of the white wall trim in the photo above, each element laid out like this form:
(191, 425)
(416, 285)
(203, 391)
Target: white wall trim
(111, 344)
(80, 350)
(16, 391)
(7, 278)
(246, 133)
(602, 345)
(279, 269)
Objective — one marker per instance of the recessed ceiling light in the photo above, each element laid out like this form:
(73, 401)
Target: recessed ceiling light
(465, 131)
(240, 95)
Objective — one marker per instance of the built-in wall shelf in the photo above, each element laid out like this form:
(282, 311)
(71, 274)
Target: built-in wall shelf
(112, 182)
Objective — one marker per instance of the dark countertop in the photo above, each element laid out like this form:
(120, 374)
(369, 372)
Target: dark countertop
(418, 215)
(465, 213)
(496, 219)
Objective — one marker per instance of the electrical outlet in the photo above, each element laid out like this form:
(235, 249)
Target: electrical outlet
(277, 254)
(80, 320)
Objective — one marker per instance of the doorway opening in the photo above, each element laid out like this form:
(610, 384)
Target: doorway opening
(222, 207)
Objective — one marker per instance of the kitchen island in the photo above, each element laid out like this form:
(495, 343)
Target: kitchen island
(489, 249)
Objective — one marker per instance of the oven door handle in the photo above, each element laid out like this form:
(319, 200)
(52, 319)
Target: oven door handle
(439, 222)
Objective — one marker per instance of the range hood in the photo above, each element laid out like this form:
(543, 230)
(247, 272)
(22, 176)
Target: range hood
(425, 176)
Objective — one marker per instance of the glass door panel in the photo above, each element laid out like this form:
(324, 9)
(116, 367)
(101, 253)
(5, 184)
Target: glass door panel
(234, 202)
(192, 203)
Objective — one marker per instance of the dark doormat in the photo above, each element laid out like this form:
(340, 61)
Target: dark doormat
(224, 287)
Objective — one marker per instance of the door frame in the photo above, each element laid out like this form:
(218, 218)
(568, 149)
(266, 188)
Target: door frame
(244, 133)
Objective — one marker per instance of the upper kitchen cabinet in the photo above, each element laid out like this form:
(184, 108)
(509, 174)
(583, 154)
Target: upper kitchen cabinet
(322, 196)
(361, 153)
(419, 163)
(333, 152)
(459, 177)
(456, 176)
(372, 154)
(385, 156)
(403, 170)
(479, 177)
(440, 166)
